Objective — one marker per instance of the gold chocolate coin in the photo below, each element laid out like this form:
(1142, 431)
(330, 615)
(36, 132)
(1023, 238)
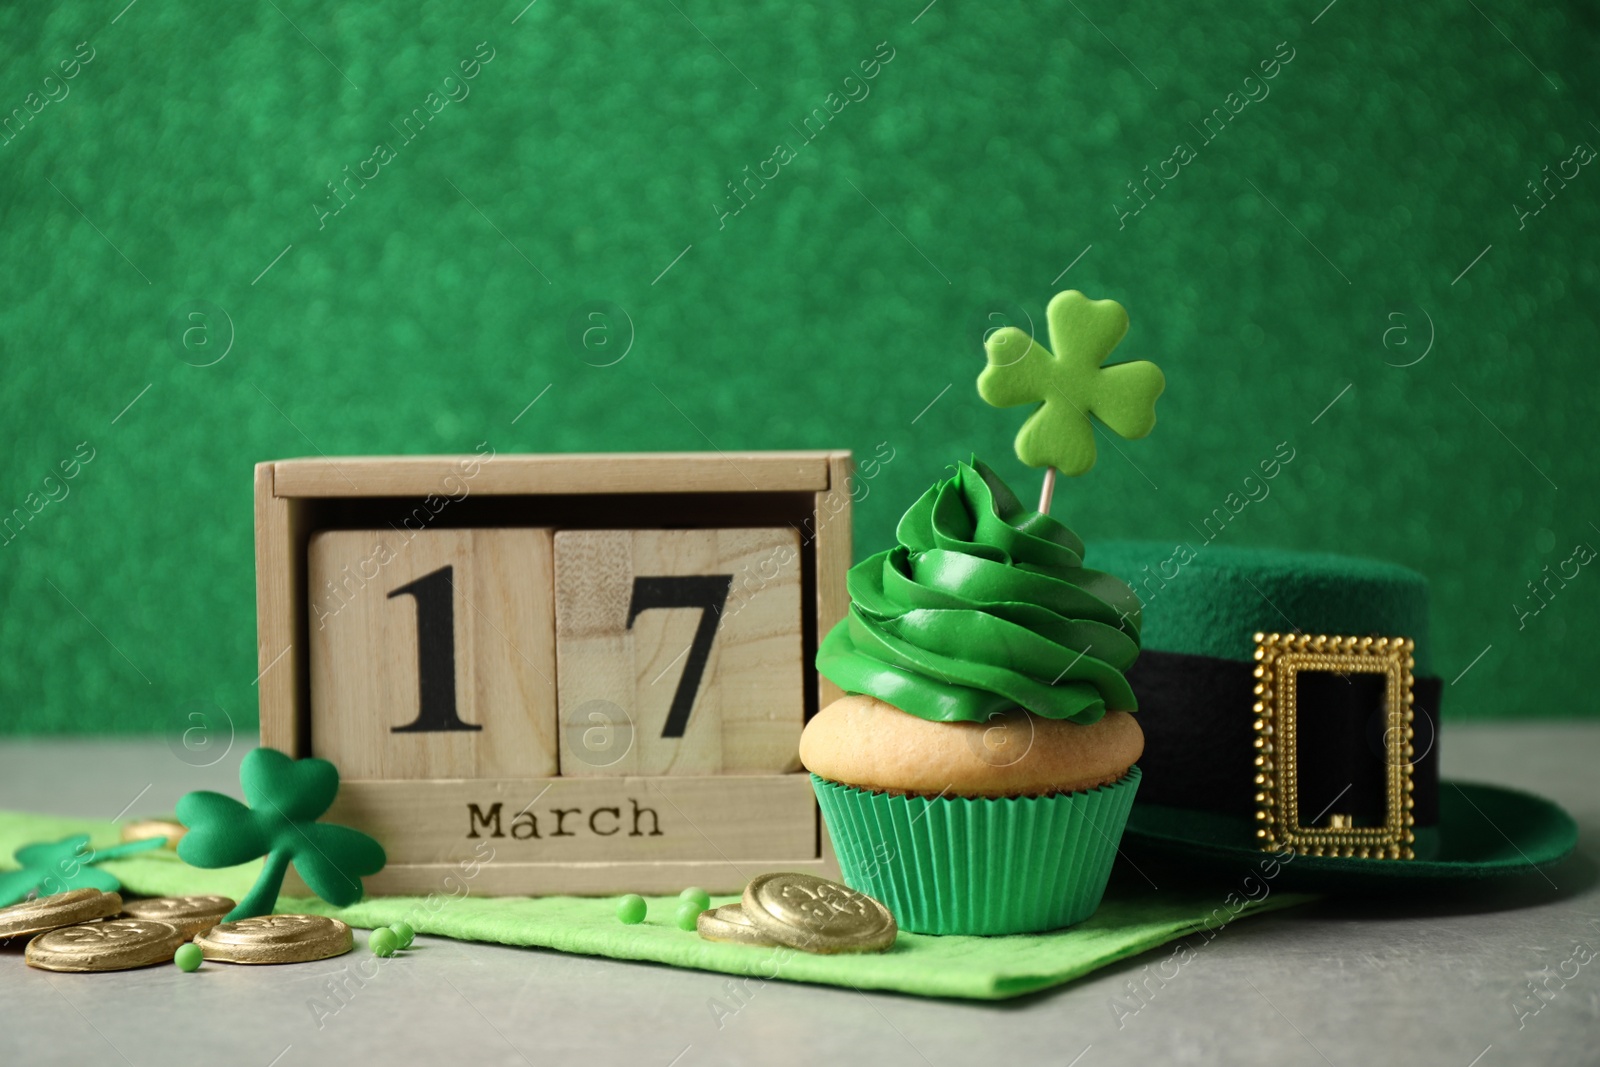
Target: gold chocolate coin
(112, 945)
(816, 915)
(59, 909)
(728, 923)
(277, 939)
(144, 829)
(192, 915)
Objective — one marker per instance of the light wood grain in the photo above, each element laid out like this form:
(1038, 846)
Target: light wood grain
(831, 533)
(585, 473)
(618, 681)
(364, 645)
(280, 609)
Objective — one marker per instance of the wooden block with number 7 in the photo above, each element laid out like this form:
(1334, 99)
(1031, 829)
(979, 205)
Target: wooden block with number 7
(679, 651)
(433, 653)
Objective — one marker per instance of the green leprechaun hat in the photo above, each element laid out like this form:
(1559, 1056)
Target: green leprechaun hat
(1289, 706)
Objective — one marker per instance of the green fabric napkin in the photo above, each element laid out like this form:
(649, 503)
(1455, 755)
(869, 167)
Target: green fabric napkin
(1131, 920)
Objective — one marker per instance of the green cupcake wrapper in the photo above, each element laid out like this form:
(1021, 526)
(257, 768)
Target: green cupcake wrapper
(959, 865)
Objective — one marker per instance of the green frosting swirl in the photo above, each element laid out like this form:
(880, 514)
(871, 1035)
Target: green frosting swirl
(982, 607)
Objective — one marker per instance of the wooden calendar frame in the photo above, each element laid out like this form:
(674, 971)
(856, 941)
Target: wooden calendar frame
(416, 819)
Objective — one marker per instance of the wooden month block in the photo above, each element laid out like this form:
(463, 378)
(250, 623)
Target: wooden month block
(679, 651)
(433, 653)
(589, 819)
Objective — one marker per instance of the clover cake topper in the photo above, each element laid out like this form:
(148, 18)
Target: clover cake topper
(1071, 384)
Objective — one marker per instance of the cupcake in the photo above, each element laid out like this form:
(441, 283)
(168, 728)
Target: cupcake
(978, 776)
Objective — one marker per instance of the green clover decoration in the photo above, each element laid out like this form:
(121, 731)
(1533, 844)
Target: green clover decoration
(285, 797)
(51, 867)
(1070, 382)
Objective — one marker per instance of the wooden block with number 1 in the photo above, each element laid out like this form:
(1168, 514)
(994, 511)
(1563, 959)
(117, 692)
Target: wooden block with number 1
(679, 651)
(433, 653)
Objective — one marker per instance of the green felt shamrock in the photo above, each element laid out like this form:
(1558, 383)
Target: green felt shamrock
(1071, 382)
(286, 796)
(51, 867)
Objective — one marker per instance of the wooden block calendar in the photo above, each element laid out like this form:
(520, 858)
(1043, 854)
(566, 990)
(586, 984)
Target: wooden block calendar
(556, 674)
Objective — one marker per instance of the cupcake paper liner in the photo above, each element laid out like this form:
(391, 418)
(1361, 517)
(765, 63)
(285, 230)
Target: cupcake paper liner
(959, 865)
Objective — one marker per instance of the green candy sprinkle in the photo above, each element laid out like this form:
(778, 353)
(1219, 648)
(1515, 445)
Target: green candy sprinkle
(403, 934)
(631, 909)
(688, 915)
(188, 957)
(698, 895)
(383, 942)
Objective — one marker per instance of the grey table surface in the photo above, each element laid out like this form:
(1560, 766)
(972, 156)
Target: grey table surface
(1344, 981)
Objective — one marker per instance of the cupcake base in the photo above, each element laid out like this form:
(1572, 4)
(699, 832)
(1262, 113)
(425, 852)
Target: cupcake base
(958, 865)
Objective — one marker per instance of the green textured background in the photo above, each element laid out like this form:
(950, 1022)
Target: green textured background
(834, 310)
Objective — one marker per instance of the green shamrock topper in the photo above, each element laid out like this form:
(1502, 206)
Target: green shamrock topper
(1071, 382)
(286, 796)
(51, 867)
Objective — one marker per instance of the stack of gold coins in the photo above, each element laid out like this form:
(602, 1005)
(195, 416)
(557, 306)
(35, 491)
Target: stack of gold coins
(802, 911)
(87, 930)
